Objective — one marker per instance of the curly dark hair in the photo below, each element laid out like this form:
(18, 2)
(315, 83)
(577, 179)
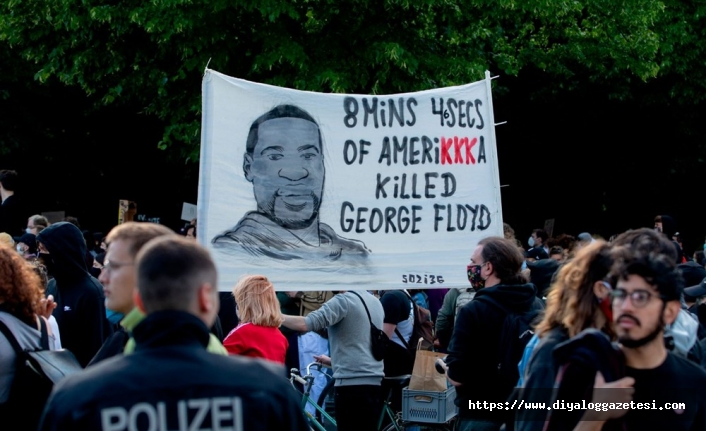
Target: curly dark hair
(657, 269)
(20, 288)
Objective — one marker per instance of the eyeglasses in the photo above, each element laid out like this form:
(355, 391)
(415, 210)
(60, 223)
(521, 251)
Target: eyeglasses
(639, 298)
(113, 266)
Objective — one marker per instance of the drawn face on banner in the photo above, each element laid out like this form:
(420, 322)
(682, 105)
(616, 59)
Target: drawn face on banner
(287, 171)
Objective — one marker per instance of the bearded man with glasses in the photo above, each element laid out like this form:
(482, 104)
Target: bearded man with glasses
(668, 390)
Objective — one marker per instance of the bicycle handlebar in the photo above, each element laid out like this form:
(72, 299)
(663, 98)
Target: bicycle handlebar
(317, 365)
(299, 379)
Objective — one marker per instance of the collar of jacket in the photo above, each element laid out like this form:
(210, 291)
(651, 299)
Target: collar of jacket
(170, 328)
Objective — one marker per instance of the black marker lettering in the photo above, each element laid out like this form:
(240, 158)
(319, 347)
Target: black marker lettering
(347, 147)
(429, 185)
(350, 106)
(346, 223)
(411, 101)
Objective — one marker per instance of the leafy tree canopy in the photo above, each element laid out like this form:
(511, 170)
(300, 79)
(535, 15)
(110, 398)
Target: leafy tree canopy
(151, 55)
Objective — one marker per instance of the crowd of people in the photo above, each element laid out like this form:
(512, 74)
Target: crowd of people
(569, 320)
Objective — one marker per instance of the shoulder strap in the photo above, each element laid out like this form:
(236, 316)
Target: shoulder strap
(10, 337)
(415, 321)
(44, 341)
(414, 306)
(397, 331)
(366, 307)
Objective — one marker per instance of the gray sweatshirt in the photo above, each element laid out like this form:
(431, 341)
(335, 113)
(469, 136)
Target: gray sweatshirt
(349, 336)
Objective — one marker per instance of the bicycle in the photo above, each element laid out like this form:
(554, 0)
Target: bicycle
(324, 421)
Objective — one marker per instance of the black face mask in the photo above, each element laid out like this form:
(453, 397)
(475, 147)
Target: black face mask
(48, 261)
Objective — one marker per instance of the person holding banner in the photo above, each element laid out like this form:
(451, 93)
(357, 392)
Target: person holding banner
(284, 161)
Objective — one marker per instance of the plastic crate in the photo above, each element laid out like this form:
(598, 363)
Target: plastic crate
(428, 406)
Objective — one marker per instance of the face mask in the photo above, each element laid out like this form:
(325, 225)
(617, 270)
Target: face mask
(95, 272)
(20, 250)
(606, 307)
(28, 230)
(530, 241)
(47, 261)
(474, 277)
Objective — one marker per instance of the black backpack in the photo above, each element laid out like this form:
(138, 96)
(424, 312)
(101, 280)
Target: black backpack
(36, 372)
(517, 330)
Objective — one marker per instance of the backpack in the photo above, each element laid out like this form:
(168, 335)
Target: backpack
(423, 329)
(577, 361)
(464, 297)
(312, 301)
(36, 372)
(517, 330)
(421, 299)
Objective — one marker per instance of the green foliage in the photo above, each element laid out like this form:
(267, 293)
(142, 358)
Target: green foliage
(682, 31)
(151, 55)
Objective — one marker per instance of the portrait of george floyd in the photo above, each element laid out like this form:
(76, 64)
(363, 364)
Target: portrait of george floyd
(284, 161)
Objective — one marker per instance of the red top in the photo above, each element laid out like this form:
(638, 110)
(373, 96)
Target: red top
(257, 341)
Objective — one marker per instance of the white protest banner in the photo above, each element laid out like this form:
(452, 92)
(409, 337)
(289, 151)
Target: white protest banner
(339, 191)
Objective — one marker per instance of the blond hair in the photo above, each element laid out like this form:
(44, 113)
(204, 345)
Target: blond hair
(571, 302)
(257, 302)
(137, 234)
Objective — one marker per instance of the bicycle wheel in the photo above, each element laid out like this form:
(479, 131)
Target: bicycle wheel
(326, 402)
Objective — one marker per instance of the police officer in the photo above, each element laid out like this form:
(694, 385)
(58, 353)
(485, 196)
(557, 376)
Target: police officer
(171, 381)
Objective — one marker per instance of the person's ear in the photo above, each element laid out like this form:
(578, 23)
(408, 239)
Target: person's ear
(208, 303)
(206, 298)
(599, 290)
(671, 311)
(137, 299)
(490, 270)
(247, 166)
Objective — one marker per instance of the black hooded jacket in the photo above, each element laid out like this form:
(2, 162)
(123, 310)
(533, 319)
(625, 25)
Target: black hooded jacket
(80, 310)
(472, 358)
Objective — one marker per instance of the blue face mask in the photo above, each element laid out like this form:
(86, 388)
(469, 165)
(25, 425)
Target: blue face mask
(530, 241)
(28, 230)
